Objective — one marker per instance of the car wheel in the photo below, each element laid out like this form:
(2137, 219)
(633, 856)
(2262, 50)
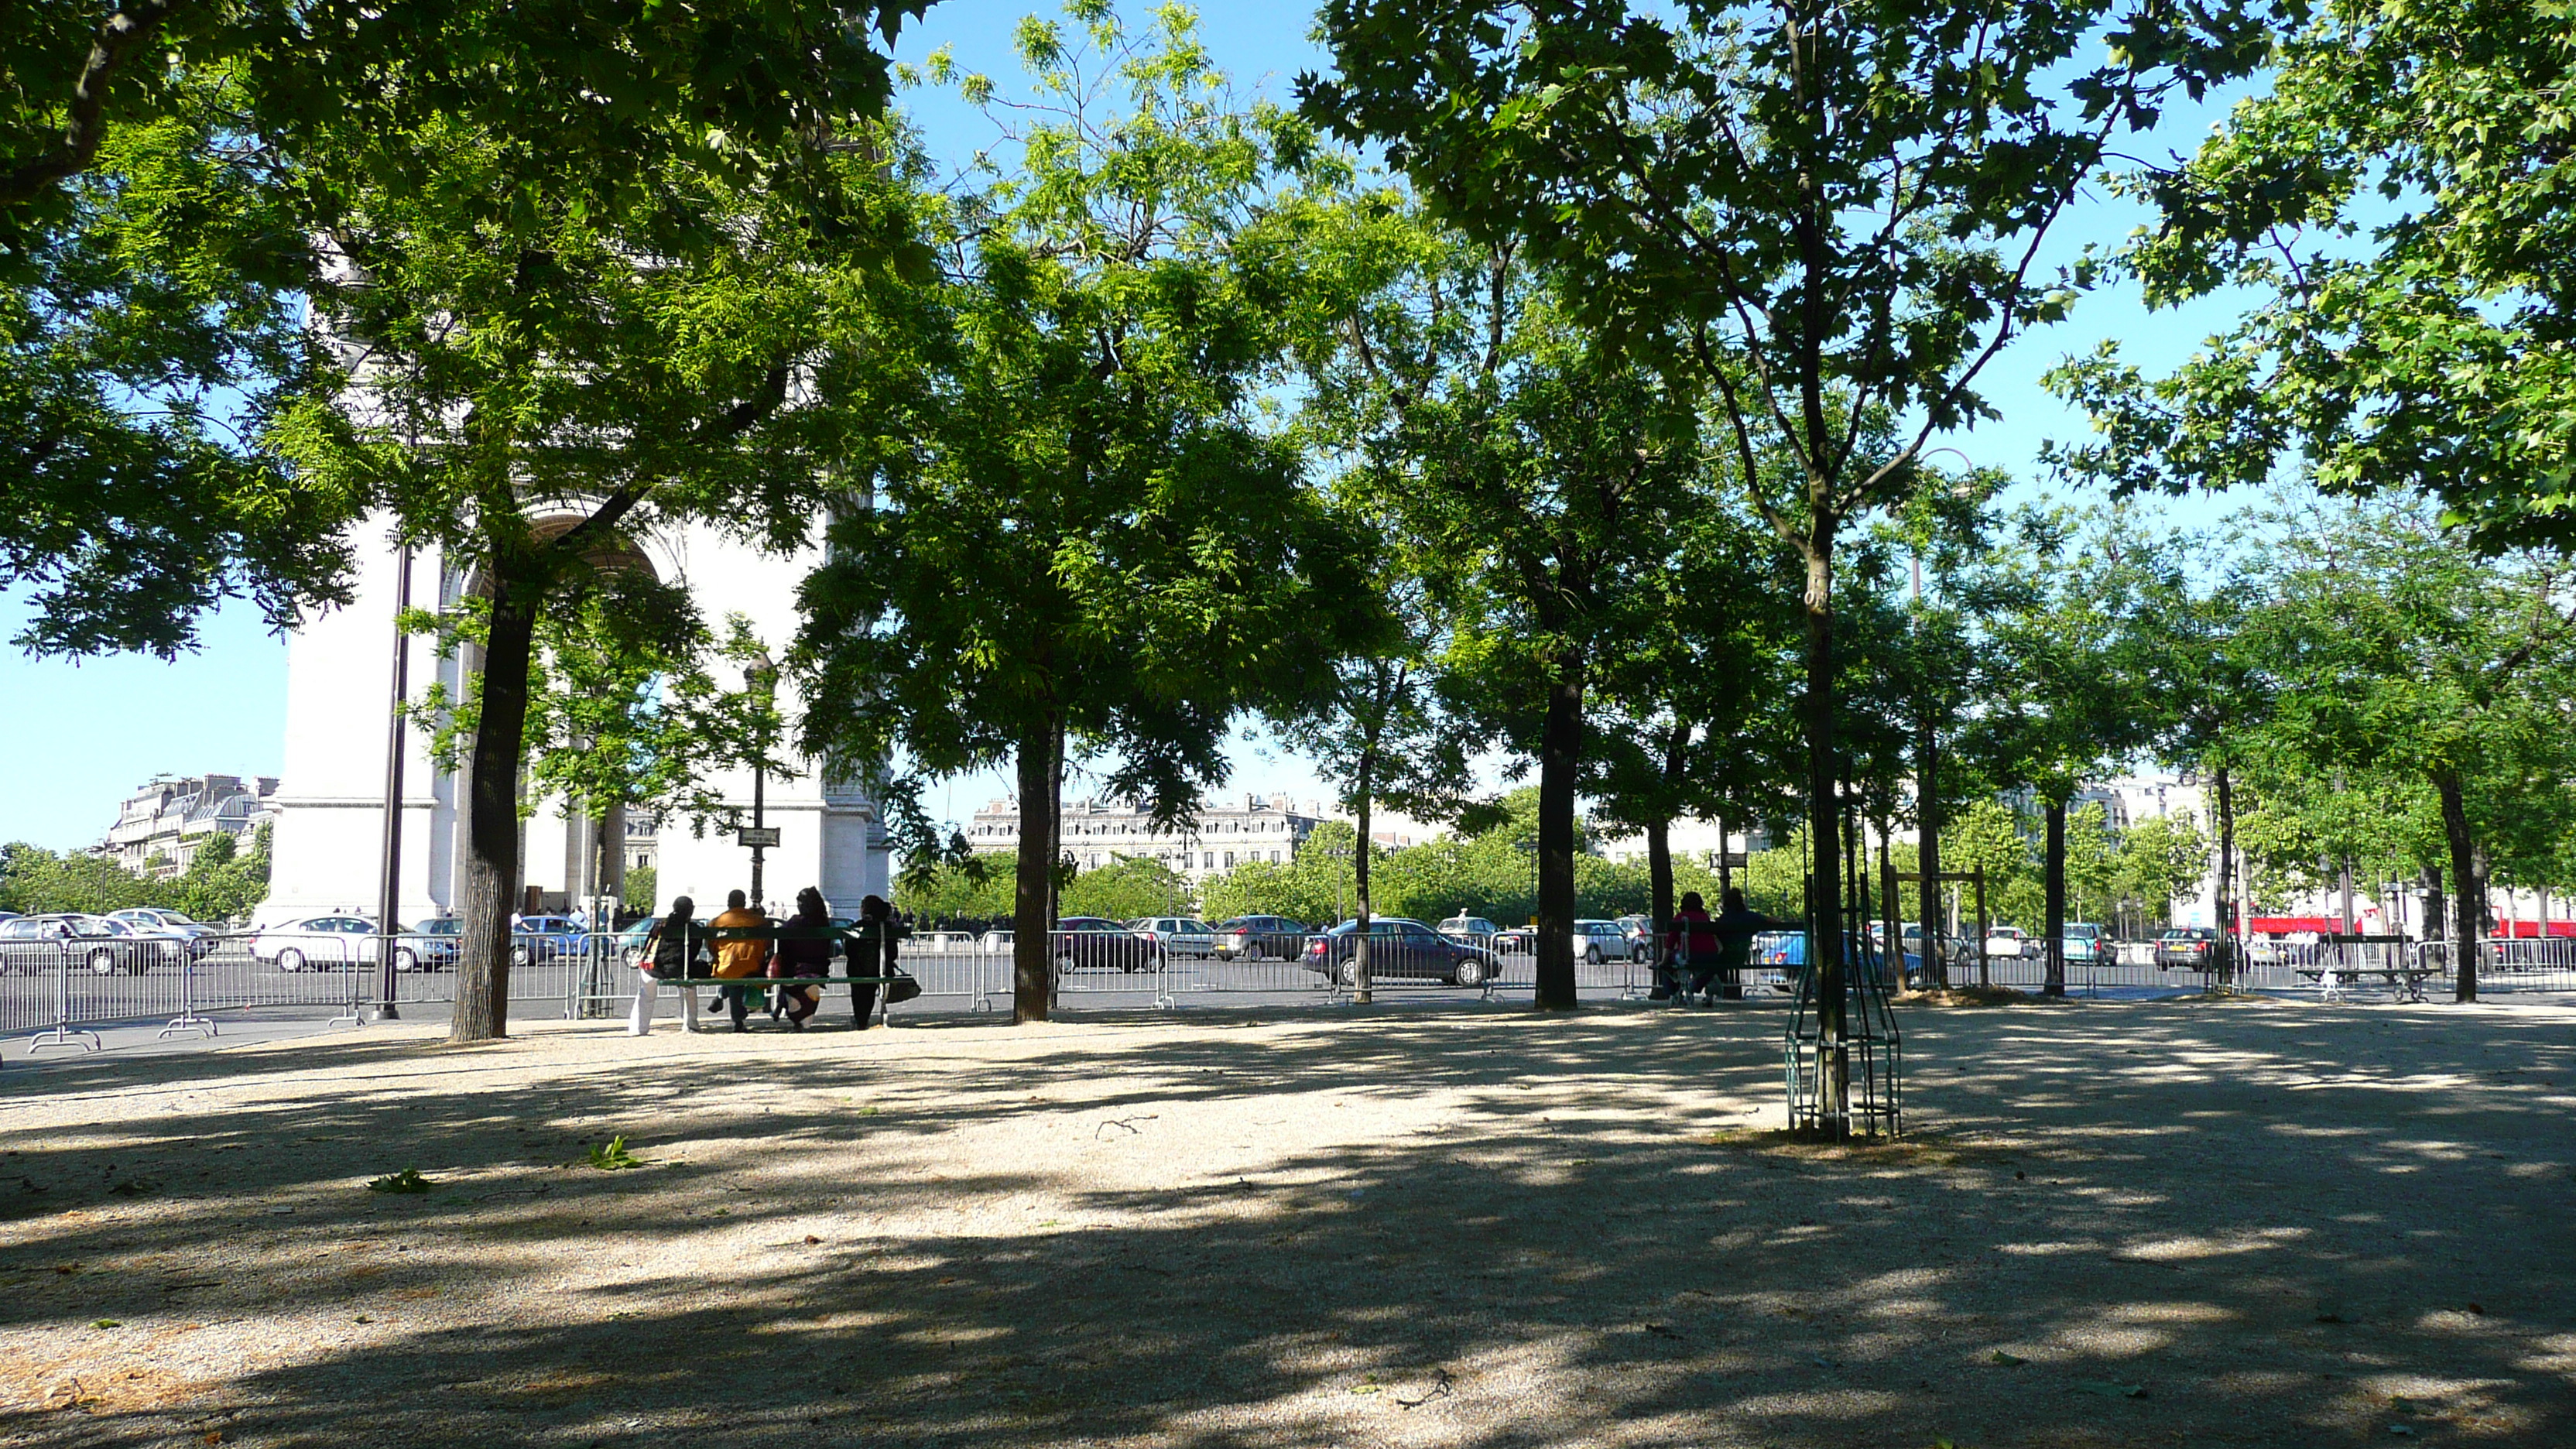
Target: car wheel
(103, 962)
(290, 960)
(406, 961)
(1253, 952)
(1592, 954)
(1637, 954)
(1470, 973)
(1350, 972)
(519, 956)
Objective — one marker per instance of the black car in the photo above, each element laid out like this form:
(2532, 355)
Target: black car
(1399, 950)
(2188, 948)
(1089, 941)
(1260, 938)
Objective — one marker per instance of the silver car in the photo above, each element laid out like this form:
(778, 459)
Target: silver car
(1177, 935)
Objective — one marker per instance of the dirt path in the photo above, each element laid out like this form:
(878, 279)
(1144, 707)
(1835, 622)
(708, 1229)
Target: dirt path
(2119, 1225)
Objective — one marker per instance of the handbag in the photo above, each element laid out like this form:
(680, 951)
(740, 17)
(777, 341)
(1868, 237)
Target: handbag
(902, 988)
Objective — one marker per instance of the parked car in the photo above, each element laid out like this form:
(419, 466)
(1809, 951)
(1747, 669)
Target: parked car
(1786, 951)
(1260, 938)
(431, 945)
(1177, 935)
(1640, 933)
(1103, 944)
(1514, 941)
(2006, 943)
(1599, 941)
(2085, 942)
(1469, 930)
(317, 943)
(1399, 950)
(37, 943)
(2189, 948)
(167, 922)
(543, 938)
(1957, 950)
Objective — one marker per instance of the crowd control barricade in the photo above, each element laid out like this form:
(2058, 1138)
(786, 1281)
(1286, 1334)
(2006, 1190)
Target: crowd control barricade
(1103, 964)
(955, 968)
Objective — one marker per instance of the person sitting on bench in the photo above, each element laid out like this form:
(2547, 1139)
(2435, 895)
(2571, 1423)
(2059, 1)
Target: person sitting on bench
(872, 954)
(806, 950)
(741, 958)
(671, 951)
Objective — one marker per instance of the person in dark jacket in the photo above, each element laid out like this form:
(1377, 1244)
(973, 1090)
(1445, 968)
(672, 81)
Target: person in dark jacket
(805, 951)
(1734, 928)
(672, 950)
(872, 954)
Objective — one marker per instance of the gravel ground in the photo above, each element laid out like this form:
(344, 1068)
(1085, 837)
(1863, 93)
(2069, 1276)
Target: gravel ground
(2115, 1225)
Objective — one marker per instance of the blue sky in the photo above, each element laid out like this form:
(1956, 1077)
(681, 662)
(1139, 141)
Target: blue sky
(79, 736)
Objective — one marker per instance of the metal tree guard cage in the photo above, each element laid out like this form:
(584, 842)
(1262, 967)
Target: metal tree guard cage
(1872, 1051)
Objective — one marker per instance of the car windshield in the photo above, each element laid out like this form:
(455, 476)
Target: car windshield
(174, 918)
(441, 926)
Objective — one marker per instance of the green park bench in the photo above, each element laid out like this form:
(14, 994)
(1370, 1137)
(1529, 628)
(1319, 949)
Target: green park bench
(850, 939)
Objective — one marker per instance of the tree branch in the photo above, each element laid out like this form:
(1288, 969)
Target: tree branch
(118, 36)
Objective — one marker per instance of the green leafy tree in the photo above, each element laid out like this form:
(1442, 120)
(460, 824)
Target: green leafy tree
(2070, 677)
(2160, 857)
(2390, 207)
(1129, 887)
(1827, 218)
(2400, 651)
(538, 378)
(1544, 476)
(1090, 533)
(166, 171)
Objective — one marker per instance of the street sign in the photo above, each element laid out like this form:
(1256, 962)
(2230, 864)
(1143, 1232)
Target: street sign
(758, 835)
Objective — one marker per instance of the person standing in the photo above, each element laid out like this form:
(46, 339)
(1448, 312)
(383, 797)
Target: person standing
(804, 949)
(741, 957)
(671, 951)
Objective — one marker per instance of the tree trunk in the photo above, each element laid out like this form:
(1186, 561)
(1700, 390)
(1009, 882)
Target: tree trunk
(2053, 948)
(1659, 840)
(2468, 909)
(1824, 837)
(1927, 848)
(2223, 969)
(2436, 905)
(1560, 754)
(1725, 863)
(1360, 884)
(1033, 901)
(492, 817)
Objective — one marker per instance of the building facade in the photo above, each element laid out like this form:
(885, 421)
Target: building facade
(161, 826)
(330, 800)
(1223, 836)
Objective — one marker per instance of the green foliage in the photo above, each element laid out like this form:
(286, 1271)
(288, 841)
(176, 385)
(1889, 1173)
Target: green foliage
(2159, 858)
(1127, 888)
(408, 1180)
(612, 1156)
(1087, 530)
(169, 176)
(219, 884)
(643, 888)
(2409, 263)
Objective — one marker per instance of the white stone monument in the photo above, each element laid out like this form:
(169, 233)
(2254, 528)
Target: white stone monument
(328, 845)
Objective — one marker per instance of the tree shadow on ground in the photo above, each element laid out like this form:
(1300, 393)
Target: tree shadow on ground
(2120, 1225)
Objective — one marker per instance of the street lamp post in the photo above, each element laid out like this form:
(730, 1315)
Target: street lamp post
(763, 676)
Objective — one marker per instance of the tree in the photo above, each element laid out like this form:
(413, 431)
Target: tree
(165, 170)
(2068, 680)
(2388, 205)
(1129, 887)
(1088, 532)
(2159, 857)
(2400, 651)
(540, 375)
(1828, 219)
(1546, 478)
